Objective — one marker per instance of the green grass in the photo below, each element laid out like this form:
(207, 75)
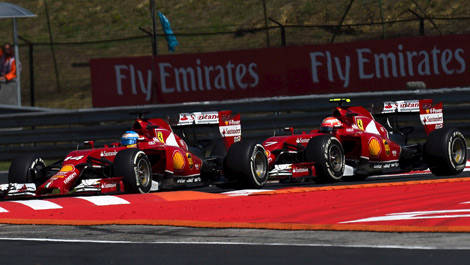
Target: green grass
(73, 21)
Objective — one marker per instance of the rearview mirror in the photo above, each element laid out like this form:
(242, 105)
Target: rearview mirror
(90, 144)
(289, 129)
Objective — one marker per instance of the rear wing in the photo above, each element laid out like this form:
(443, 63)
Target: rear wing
(229, 125)
(197, 118)
(430, 115)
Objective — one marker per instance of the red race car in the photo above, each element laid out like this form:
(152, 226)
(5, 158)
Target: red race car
(199, 148)
(352, 143)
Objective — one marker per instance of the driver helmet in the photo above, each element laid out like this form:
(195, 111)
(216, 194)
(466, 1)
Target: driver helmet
(129, 138)
(329, 124)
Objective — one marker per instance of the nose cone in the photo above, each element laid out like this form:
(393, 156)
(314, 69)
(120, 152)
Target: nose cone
(61, 182)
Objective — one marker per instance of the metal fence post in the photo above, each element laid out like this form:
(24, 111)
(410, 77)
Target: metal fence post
(31, 68)
(31, 72)
(421, 26)
(283, 32)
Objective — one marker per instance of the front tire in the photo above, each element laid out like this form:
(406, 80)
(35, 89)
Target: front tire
(247, 163)
(445, 151)
(27, 169)
(327, 153)
(134, 167)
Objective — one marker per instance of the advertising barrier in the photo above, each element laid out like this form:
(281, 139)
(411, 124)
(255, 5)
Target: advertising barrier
(375, 65)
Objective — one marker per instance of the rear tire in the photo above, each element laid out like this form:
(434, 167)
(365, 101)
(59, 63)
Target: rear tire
(27, 169)
(327, 153)
(247, 163)
(135, 169)
(445, 152)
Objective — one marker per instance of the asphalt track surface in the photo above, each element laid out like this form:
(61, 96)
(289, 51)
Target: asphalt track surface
(122, 244)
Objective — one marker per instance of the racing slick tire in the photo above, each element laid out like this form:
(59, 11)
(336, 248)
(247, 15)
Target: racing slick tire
(27, 169)
(327, 153)
(445, 151)
(134, 167)
(247, 163)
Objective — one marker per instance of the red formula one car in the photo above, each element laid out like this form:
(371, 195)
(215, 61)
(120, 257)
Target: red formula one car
(199, 148)
(354, 144)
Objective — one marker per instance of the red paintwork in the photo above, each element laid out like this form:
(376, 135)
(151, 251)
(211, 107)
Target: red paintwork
(358, 131)
(157, 139)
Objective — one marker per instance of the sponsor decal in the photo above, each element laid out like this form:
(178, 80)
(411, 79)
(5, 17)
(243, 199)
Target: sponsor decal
(302, 140)
(188, 180)
(299, 170)
(383, 64)
(408, 106)
(178, 160)
(207, 117)
(108, 185)
(190, 160)
(186, 118)
(386, 165)
(389, 107)
(401, 106)
(269, 143)
(427, 106)
(76, 158)
(70, 178)
(199, 118)
(67, 168)
(232, 122)
(374, 147)
(433, 118)
(160, 137)
(104, 153)
(49, 183)
(230, 130)
(360, 124)
(387, 147)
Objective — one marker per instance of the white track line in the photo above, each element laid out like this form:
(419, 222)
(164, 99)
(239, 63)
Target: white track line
(3, 210)
(104, 200)
(416, 247)
(243, 192)
(39, 204)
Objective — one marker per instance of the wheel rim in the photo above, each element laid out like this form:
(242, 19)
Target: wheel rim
(335, 158)
(458, 151)
(259, 165)
(142, 171)
(36, 167)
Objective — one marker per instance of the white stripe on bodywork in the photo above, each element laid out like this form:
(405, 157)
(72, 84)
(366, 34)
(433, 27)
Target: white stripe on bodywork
(104, 200)
(39, 204)
(371, 128)
(171, 140)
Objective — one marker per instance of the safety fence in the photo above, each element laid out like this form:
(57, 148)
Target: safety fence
(54, 133)
(65, 73)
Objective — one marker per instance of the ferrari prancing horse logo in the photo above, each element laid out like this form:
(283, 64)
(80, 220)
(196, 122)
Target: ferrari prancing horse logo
(360, 124)
(160, 137)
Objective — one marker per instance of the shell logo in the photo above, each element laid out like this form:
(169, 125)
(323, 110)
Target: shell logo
(178, 160)
(374, 147)
(67, 168)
